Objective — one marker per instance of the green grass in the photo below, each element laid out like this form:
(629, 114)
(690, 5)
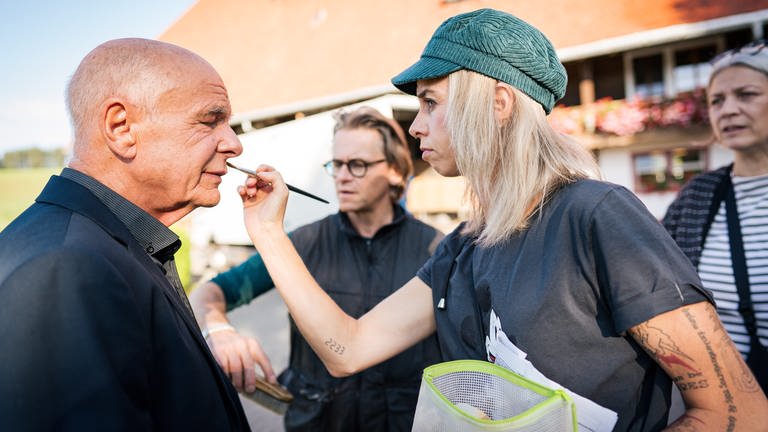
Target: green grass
(183, 264)
(20, 187)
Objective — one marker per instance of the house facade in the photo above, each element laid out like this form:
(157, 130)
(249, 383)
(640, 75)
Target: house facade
(634, 98)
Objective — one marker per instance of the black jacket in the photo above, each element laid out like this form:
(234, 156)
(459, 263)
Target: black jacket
(93, 335)
(358, 273)
(689, 217)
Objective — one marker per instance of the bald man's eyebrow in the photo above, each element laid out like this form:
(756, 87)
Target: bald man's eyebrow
(219, 111)
(215, 115)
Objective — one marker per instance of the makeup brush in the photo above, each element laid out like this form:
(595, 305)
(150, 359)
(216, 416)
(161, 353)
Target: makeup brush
(290, 188)
(273, 397)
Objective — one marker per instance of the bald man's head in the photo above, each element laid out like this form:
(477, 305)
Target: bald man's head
(151, 122)
(137, 70)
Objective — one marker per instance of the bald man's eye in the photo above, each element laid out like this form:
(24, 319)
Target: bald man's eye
(212, 122)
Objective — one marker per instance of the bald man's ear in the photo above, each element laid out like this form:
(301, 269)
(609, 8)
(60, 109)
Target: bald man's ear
(116, 127)
(503, 101)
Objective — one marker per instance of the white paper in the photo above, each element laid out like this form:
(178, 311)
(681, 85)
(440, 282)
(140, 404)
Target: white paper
(590, 416)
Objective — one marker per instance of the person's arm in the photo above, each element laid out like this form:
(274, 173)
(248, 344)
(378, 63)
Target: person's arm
(235, 353)
(345, 345)
(656, 297)
(719, 390)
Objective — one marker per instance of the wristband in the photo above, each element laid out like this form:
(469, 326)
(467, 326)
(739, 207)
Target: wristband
(217, 328)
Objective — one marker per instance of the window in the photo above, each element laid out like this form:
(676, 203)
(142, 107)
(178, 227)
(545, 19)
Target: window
(649, 77)
(667, 170)
(664, 72)
(572, 96)
(606, 75)
(609, 77)
(691, 69)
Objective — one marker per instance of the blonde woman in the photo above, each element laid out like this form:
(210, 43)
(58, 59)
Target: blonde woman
(359, 256)
(575, 271)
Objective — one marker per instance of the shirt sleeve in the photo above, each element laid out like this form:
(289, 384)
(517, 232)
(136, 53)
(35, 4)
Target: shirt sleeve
(442, 255)
(640, 269)
(244, 282)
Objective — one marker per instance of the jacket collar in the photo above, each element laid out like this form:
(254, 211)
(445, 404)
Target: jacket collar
(152, 235)
(68, 194)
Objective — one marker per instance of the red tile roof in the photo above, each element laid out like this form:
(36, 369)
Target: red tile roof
(276, 52)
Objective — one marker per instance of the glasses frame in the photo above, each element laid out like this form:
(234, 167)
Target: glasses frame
(333, 166)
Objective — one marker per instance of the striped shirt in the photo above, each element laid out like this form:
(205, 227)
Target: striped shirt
(716, 269)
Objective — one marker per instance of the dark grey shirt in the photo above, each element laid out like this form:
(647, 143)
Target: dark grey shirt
(155, 238)
(593, 264)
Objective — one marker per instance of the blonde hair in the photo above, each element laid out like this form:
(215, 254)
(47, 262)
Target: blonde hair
(511, 169)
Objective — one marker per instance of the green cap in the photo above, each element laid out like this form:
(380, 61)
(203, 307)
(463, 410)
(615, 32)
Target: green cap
(495, 44)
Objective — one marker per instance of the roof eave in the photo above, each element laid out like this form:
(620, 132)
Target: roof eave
(660, 36)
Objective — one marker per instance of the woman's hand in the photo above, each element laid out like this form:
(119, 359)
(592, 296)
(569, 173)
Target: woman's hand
(264, 200)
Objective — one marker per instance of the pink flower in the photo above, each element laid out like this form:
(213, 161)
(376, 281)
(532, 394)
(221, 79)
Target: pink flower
(622, 117)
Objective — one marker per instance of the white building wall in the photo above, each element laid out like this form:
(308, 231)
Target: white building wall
(616, 165)
(297, 149)
(719, 156)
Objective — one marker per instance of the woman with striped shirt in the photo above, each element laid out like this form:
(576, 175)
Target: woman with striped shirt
(720, 219)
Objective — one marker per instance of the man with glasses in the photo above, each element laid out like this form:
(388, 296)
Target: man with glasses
(359, 256)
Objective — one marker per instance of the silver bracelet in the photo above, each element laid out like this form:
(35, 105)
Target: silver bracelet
(217, 328)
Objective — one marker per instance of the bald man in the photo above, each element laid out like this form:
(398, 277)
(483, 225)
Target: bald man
(96, 330)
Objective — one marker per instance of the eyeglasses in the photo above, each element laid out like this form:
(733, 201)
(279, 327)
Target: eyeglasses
(356, 167)
(752, 48)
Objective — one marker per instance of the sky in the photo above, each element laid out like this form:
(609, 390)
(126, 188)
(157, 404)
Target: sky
(41, 44)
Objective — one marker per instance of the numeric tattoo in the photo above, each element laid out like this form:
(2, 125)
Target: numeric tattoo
(335, 346)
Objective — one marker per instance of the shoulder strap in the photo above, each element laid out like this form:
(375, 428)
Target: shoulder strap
(739, 260)
(714, 205)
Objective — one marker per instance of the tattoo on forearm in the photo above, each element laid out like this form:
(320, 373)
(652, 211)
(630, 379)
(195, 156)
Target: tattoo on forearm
(665, 349)
(335, 346)
(690, 381)
(722, 384)
(713, 318)
(741, 375)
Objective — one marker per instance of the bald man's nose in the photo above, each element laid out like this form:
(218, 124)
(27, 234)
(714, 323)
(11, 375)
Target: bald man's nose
(230, 143)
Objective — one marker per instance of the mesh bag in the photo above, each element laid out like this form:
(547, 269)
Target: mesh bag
(472, 395)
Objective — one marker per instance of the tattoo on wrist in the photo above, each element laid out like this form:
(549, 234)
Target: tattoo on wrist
(335, 346)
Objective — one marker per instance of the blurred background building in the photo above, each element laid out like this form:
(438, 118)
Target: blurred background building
(636, 72)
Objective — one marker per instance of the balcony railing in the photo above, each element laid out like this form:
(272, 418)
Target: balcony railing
(623, 118)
